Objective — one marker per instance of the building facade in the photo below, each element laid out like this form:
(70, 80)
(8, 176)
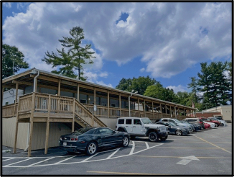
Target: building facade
(48, 98)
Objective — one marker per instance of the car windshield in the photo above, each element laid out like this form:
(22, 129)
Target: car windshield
(176, 121)
(172, 124)
(83, 130)
(146, 121)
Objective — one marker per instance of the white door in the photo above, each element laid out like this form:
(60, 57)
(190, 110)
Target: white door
(137, 127)
(129, 125)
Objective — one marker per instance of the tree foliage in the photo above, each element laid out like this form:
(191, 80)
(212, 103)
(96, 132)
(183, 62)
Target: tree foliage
(72, 59)
(139, 84)
(214, 85)
(11, 56)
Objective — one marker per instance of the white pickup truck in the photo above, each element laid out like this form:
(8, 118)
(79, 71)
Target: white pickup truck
(136, 126)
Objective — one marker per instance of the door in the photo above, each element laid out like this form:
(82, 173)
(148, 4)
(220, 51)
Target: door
(109, 136)
(129, 125)
(137, 127)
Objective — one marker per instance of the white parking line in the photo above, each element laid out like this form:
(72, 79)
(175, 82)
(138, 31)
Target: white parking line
(65, 159)
(7, 159)
(147, 145)
(16, 162)
(89, 157)
(41, 161)
(133, 147)
(113, 153)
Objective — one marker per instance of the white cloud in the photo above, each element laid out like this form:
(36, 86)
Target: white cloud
(142, 69)
(102, 83)
(7, 4)
(103, 74)
(178, 88)
(171, 37)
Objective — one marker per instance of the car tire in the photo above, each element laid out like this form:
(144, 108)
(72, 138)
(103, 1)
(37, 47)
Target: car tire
(163, 139)
(125, 141)
(91, 148)
(153, 136)
(178, 133)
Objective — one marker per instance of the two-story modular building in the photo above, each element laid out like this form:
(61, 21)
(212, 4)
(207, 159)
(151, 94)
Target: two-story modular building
(51, 105)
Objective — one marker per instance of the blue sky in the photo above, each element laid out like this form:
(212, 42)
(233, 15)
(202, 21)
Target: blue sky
(166, 41)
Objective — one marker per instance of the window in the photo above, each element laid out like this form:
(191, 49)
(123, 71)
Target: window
(106, 131)
(128, 121)
(165, 120)
(137, 121)
(121, 121)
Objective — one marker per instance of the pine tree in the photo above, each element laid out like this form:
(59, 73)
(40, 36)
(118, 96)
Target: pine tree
(72, 59)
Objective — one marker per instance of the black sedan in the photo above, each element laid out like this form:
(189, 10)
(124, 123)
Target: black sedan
(174, 129)
(88, 140)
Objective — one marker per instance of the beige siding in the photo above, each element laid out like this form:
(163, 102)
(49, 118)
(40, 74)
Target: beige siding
(8, 133)
(226, 111)
(110, 122)
(39, 134)
(38, 137)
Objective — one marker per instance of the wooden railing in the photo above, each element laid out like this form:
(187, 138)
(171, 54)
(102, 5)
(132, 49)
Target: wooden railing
(58, 104)
(9, 110)
(61, 104)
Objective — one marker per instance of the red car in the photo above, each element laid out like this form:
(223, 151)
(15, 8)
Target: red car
(206, 125)
(217, 123)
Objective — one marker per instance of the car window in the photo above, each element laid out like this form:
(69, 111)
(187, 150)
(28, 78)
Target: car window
(165, 120)
(128, 121)
(137, 122)
(121, 121)
(106, 131)
(84, 130)
(146, 121)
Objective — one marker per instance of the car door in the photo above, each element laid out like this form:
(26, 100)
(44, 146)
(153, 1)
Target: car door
(129, 125)
(109, 137)
(137, 127)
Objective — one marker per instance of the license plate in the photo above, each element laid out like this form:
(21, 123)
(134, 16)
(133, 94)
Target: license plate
(64, 143)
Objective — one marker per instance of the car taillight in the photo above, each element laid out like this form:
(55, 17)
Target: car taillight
(74, 139)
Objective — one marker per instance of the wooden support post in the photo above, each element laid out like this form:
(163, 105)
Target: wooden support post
(16, 97)
(16, 128)
(120, 105)
(78, 93)
(73, 117)
(170, 110)
(138, 104)
(144, 108)
(153, 108)
(175, 112)
(48, 126)
(2, 94)
(31, 125)
(108, 103)
(94, 102)
(59, 85)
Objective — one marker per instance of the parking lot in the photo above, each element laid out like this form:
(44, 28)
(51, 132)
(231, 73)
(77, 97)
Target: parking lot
(207, 152)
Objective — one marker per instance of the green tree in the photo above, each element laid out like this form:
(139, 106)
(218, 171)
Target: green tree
(139, 84)
(75, 56)
(124, 84)
(214, 84)
(159, 92)
(194, 86)
(155, 91)
(12, 59)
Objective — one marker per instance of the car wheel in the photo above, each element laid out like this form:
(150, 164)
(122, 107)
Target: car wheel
(153, 136)
(178, 133)
(91, 148)
(125, 141)
(163, 139)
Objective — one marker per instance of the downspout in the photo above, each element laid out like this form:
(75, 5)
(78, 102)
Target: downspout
(34, 89)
